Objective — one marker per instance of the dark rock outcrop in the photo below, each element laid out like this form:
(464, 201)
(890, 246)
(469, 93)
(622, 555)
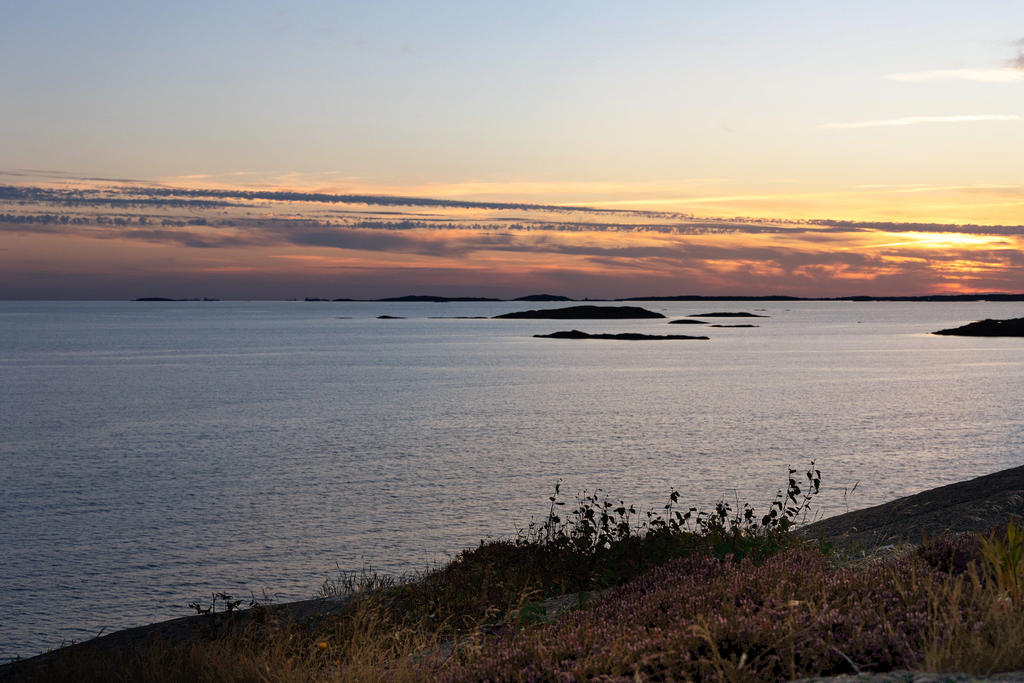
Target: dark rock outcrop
(542, 297)
(585, 313)
(687, 321)
(1013, 327)
(973, 505)
(622, 336)
(426, 298)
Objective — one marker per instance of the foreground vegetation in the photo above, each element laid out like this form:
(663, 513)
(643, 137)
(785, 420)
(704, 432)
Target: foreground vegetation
(680, 594)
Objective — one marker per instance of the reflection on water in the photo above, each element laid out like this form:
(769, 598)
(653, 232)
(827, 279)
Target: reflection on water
(152, 453)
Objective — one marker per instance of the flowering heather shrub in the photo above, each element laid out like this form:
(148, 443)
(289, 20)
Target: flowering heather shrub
(951, 554)
(707, 619)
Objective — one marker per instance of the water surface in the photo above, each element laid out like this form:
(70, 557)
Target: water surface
(152, 453)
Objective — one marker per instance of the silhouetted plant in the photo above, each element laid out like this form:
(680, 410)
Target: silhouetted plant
(349, 583)
(218, 621)
(228, 604)
(601, 529)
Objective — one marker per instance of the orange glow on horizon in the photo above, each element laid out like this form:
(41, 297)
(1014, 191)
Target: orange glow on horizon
(394, 248)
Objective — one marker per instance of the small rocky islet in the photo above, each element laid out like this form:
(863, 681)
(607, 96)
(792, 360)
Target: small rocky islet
(1012, 327)
(586, 312)
(622, 336)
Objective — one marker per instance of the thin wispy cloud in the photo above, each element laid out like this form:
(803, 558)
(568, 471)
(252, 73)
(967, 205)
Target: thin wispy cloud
(1010, 74)
(1012, 71)
(218, 243)
(916, 120)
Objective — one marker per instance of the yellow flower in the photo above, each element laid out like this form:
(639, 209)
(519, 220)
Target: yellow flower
(322, 645)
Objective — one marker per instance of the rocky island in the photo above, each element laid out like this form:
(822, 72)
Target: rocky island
(542, 297)
(1013, 327)
(584, 313)
(728, 314)
(431, 299)
(622, 336)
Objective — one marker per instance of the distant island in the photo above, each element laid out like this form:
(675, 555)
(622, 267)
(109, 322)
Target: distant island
(430, 298)
(543, 297)
(981, 296)
(1013, 327)
(160, 298)
(416, 298)
(585, 313)
(622, 336)
(728, 314)
(992, 296)
(687, 321)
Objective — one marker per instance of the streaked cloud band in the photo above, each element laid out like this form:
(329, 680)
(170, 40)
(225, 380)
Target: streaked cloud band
(1000, 75)
(915, 120)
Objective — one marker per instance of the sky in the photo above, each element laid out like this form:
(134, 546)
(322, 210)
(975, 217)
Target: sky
(898, 120)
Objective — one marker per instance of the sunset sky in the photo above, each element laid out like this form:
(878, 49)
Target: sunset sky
(830, 148)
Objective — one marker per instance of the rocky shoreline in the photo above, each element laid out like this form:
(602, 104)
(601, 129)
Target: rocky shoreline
(973, 505)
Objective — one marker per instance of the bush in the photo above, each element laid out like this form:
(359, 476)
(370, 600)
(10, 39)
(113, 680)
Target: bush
(703, 618)
(951, 554)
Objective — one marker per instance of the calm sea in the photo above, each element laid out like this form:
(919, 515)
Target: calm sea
(154, 453)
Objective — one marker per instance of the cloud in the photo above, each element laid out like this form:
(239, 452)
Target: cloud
(1010, 74)
(915, 120)
(1018, 61)
(283, 242)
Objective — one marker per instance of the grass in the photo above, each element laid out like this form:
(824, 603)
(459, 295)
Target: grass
(678, 595)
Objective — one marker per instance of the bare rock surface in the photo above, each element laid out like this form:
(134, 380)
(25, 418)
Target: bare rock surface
(972, 505)
(1013, 327)
(621, 336)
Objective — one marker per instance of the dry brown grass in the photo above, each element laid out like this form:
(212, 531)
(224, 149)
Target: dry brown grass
(966, 622)
(977, 617)
(364, 645)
